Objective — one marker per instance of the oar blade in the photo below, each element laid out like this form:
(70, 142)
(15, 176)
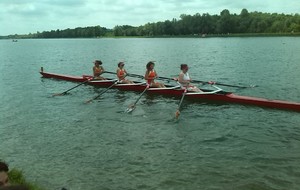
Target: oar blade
(89, 101)
(130, 108)
(59, 94)
(177, 114)
(65, 92)
(94, 98)
(102, 92)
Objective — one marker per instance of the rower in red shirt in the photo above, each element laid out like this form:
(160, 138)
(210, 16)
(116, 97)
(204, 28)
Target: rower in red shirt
(98, 70)
(121, 73)
(151, 74)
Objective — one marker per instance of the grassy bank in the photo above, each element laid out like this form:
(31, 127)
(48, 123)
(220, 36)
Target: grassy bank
(16, 177)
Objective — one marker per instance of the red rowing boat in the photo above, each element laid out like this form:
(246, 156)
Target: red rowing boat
(217, 95)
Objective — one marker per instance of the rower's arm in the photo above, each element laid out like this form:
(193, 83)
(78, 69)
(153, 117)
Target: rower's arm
(102, 70)
(146, 75)
(119, 74)
(94, 72)
(156, 76)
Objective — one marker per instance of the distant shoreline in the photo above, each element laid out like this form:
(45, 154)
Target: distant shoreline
(224, 35)
(179, 36)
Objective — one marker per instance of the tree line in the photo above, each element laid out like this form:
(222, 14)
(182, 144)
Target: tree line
(205, 24)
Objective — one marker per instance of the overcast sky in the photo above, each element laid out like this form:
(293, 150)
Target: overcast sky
(30, 16)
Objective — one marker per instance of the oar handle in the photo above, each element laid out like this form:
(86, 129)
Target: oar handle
(127, 74)
(109, 72)
(139, 76)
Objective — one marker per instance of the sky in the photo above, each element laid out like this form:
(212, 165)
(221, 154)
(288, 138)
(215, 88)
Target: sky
(30, 16)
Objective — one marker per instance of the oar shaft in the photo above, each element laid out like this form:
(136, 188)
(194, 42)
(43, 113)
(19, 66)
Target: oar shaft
(165, 78)
(132, 106)
(102, 92)
(183, 95)
(199, 81)
(195, 81)
(147, 87)
(109, 72)
(177, 113)
(105, 90)
(135, 75)
(139, 76)
(76, 86)
(221, 84)
(73, 87)
(229, 85)
(128, 74)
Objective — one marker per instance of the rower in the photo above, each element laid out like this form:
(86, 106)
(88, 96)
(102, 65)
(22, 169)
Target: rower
(98, 70)
(151, 74)
(184, 79)
(121, 73)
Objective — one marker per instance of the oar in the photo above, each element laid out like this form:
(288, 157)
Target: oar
(88, 101)
(109, 72)
(177, 113)
(142, 77)
(131, 107)
(128, 74)
(195, 81)
(65, 92)
(222, 84)
(211, 82)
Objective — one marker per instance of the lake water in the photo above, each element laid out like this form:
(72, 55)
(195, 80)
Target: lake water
(62, 142)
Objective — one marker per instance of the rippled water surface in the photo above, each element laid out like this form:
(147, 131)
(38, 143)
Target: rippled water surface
(62, 142)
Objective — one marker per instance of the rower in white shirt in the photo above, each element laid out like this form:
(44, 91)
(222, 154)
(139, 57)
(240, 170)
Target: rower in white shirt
(185, 80)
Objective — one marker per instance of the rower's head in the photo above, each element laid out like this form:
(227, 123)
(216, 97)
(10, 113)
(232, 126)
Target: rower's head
(150, 65)
(121, 64)
(184, 67)
(98, 62)
(3, 174)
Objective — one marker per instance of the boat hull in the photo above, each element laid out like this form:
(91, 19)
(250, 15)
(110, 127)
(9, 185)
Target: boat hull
(176, 91)
(64, 77)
